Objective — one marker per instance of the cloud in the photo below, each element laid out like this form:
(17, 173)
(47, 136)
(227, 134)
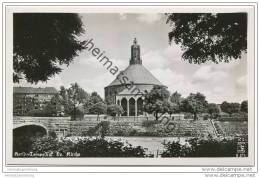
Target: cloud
(207, 74)
(173, 52)
(174, 81)
(218, 90)
(122, 16)
(149, 18)
(97, 84)
(155, 59)
(241, 82)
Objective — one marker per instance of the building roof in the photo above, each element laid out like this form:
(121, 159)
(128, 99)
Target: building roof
(137, 74)
(31, 90)
(138, 89)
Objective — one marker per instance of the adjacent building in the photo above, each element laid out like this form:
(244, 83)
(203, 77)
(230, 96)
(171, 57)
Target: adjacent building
(26, 99)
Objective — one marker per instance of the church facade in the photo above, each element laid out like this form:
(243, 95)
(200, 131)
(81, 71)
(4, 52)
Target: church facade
(128, 87)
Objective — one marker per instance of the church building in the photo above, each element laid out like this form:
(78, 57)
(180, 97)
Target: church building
(128, 88)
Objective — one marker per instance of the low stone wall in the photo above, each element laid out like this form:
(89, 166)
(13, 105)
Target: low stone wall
(123, 126)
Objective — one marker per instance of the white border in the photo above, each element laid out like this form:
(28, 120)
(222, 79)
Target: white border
(136, 161)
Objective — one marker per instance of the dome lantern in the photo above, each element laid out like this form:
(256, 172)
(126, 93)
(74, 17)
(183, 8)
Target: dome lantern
(135, 53)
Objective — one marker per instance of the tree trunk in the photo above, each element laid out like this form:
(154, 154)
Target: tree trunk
(156, 116)
(195, 116)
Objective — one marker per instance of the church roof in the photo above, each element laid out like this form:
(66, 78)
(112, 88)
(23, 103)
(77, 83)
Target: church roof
(135, 90)
(137, 74)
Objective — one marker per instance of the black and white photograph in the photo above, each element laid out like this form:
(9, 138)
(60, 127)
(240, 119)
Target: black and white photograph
(162, 85)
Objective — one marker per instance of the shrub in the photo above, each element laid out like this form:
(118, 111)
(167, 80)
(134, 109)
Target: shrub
(114, 110)
(52, 134)
(37, 113)
(133, 133)
(50, 145)
(149, 123)
(101, 129)
(86, 148)
(206, 116)
(76, 114)
(104, 148)
(202, 148)
(188, 115)
(175, 149)
(213, 148)
(104, 128)
(119, 133)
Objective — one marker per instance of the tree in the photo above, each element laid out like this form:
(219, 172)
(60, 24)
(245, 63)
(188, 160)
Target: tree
(53, 107)
(95, 105)
(209, 37)
(43, 42)
(244, 106)
(76, 96)
(194, 103)
(68, 106)
(213, 110)
(114, 110)
(176, 99)
(95, 98)
(91, 101)
(171, 108)
(230, 108)
(155, 101)
(98, 108)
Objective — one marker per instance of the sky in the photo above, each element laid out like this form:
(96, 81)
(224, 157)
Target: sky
(114, 34)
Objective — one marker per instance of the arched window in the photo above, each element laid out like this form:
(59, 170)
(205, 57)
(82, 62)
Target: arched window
(132, 107)
(124, 106)
(139, 107)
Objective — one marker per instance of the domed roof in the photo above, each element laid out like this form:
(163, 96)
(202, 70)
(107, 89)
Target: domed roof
(137, 74)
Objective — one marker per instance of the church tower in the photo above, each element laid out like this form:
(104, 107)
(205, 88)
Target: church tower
(135, 53)
(139, 78)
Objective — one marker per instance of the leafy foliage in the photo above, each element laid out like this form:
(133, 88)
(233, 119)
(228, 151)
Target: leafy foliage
(85, 147)
(209, 37)
(244, 107)
(171, 108)
(95, 105)
(156, 101)
(149, 123)
(175, 149)
(230, 108)
(201, 148)
(72, 99)
(213, 110)
(101, 129)
(176, 97)
(104, 148)
(76, 114)
(43, 42)
(114, 110)
(194, 103)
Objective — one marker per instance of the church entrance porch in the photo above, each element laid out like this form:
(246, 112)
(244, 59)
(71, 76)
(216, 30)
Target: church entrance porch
(132, 106)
